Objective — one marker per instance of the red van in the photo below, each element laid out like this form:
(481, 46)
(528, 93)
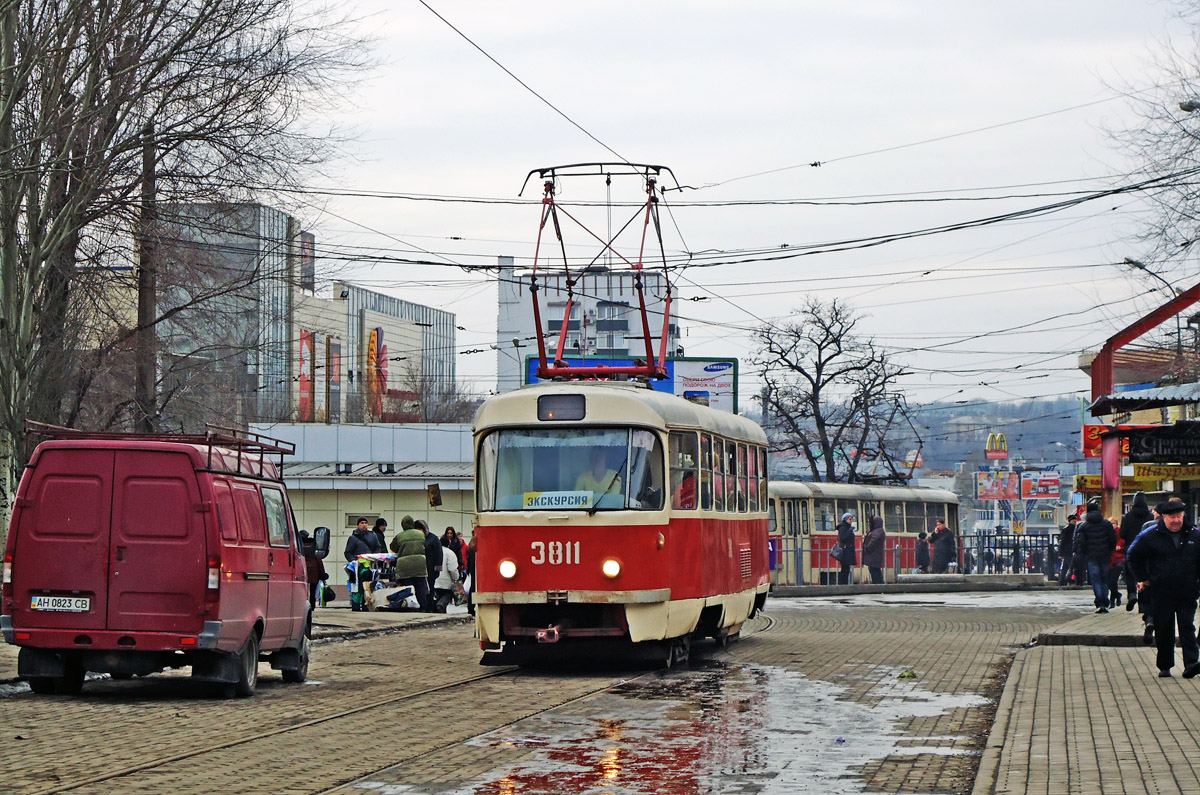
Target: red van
(130, 554)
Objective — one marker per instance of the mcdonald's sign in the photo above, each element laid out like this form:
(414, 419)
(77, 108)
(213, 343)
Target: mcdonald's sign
(997, 447)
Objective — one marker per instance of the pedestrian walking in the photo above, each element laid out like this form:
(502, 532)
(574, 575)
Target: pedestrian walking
(873, 550)
(945, 550)
(1132, 523)
(1095, 540)
(1066, 550)
(1167, 558)
(314, 568)
(1116, 567)
(849, 559)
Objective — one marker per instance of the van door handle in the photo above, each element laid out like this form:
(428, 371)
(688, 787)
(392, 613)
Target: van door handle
(271, 558)
(120, 554)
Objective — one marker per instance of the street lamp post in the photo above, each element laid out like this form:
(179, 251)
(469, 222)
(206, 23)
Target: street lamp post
(1141, 266)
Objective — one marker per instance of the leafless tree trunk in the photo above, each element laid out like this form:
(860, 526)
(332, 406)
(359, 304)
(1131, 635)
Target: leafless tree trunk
(827, 389)
(435, 402)
(234, 89)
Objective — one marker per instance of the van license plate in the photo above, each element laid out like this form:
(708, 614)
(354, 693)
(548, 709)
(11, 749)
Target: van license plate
(62, 604)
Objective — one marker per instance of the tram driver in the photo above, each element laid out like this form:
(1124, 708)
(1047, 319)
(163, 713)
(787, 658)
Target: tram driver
(598, 477)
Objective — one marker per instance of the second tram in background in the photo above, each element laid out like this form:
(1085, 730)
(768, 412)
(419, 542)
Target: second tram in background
(615, 520)
(804, 518)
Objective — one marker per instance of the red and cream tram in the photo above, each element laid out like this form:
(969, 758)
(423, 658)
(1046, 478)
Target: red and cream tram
(804, 518)
(615, 519)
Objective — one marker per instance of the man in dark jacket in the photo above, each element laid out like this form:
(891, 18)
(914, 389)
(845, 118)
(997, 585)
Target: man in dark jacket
(922, 553)
(1095, 541)
(845, 532)
(873, 550)
(1167, 558)
(945, 550)
(433, 552)
(361, 542)
(1066, 550)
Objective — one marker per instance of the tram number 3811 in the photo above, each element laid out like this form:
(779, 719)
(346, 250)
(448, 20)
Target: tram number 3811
(556, 553)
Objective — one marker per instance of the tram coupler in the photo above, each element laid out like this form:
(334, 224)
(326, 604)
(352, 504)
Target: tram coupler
(550, 634)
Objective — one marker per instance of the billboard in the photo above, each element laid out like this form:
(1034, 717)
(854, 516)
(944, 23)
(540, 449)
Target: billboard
(333, 378)
(1091, 438)
(1041, 486)
(710, 382)
(997, 486)
(304, 408)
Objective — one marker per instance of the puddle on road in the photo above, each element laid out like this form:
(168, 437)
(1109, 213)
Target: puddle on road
(714, 728)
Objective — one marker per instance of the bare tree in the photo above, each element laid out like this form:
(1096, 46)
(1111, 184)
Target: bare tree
(829, 392)
(224, 93)
(436, 401)
(1164, 143)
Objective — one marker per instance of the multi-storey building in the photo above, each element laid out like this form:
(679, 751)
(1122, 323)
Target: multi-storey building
(605, 320)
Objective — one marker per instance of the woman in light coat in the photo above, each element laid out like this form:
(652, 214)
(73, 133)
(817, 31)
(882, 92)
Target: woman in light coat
(443, 587)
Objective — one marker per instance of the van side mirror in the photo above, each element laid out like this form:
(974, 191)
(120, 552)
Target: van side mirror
(321, 542)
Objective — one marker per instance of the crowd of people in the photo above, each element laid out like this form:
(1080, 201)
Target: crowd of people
(935, 551)
(1158, 552)
(436, 570)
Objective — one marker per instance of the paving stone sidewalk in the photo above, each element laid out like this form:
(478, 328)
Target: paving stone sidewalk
(328, 623)
(1084, 711)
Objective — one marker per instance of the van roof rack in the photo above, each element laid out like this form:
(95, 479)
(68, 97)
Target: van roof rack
(247, 444)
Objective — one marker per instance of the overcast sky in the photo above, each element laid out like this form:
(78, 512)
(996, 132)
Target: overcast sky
(722, 91)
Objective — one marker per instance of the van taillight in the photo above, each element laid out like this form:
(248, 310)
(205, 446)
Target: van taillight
(8, 589)
(214, 578)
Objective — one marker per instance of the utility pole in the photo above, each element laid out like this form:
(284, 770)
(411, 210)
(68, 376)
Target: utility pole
(144, 385)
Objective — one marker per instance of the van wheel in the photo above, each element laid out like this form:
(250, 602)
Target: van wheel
(42, 685)
(71, 682)
(248, 668)
(300, 672)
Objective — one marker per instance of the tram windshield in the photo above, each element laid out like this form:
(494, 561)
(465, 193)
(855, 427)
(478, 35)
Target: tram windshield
(555, 469)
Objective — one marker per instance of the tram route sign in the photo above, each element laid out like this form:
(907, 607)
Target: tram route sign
(708, 381)
(556, 499)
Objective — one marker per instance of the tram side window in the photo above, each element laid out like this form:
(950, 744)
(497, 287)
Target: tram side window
(791, 517)
(805, 522)
(772, 522)
(718, 474)
(914, 517)
(645, 471)
(824, 514)
(706, 472)
(684, 459)
(731, 477)
(762, 476)
(742, 479)
(752, 478)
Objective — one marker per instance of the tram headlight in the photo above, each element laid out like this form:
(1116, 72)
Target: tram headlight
(508, 569)
(611, 568)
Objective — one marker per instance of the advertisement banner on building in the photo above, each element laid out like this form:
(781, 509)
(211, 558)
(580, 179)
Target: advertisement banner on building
(333, 384)
(1091, 438)
(1167, 471)
(319, 377)
(304, 403)
(997, 486)
(709, 382)
(1091, 484)
(1040, 486)
(375, 374)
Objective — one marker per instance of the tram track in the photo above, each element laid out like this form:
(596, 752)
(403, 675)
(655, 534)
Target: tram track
(173, 758)
(445, 696)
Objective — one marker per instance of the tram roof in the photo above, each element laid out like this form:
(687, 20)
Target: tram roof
(617, 402)
(796, 489)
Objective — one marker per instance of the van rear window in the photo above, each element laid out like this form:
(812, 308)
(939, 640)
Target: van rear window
(251, 522)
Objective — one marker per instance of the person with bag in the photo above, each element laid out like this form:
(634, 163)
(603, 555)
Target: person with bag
(447, 578)
(409, 547)
(848, 558)
(313, 567)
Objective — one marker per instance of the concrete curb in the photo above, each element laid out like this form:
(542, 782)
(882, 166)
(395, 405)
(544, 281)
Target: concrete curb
(989, 761)
(959, 585)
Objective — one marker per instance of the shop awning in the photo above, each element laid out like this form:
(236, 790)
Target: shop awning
(1153, 398)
